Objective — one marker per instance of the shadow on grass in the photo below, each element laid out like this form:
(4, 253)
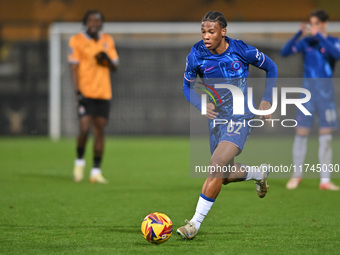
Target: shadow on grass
(120, 229)
(47, 175)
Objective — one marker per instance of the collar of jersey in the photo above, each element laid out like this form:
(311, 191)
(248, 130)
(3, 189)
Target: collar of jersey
(89, 38)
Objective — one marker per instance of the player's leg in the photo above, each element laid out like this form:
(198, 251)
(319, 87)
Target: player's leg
(85, 122)
(98, 149)
(259, 175)
(326, 154)
(241, 172)
(222, 156)
(305, 123)
(101, 112)
(327, 123)
(299, 155)
(237, 134)
(325, 159)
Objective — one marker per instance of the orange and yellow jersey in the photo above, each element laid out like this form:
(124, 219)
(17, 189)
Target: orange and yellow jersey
(93, 79)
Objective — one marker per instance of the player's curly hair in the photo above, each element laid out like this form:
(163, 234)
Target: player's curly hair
(215, 16)
(90, 12)
(322, 15)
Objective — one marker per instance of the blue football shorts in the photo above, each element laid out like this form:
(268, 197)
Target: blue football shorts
(236, 132)
(321, 105)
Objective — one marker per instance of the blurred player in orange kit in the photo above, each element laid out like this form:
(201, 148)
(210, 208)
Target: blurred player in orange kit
(92, 55)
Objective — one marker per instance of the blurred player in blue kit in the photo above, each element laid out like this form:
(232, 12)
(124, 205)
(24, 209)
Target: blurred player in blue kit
(320, 52)
(220, 58)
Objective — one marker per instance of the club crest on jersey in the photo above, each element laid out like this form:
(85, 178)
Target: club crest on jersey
(105, 46)
(236, 65)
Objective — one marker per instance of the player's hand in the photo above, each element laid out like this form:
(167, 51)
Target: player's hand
(78, 97)
(211, 114)
(304, 27)
(265, 105)
(102, 59)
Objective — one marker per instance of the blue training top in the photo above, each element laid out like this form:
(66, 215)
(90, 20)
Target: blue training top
(319, 54)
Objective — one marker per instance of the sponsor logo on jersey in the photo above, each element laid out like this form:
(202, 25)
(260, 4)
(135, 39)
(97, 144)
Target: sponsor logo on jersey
(258, 55)
(208, 69)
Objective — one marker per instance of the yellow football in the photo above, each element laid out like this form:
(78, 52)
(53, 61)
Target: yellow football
(156, 228)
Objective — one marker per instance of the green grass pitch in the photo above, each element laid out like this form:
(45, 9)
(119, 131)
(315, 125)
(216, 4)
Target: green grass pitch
(43, 212)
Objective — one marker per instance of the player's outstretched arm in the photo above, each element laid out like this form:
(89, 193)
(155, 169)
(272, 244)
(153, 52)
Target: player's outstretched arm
(291, 46)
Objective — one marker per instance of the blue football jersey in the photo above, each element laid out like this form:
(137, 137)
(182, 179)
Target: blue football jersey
(230, 67)
(319, 54)
(318, 63)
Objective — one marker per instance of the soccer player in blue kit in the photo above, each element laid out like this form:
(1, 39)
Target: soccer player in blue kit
(320, 53)
(218, 56)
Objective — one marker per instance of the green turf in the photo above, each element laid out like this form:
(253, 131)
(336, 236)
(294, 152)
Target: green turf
(43, 212)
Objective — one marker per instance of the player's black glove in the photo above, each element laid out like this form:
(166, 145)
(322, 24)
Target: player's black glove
(103, 59)
(79, 97)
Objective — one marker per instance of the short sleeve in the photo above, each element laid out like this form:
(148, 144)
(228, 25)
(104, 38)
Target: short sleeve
(112, 52)
(73, 55)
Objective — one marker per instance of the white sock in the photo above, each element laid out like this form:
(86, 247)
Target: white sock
(203, 206)
(325, 156)
(95, 171)
(79, 162)
(253, 173)
(299, 154)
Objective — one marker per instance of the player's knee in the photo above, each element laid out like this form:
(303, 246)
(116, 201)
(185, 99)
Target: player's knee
(325, 131)
(218, 170)
(215, 162)
(302, 131)
(99, 132)
(84, 131)
(226, 181)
